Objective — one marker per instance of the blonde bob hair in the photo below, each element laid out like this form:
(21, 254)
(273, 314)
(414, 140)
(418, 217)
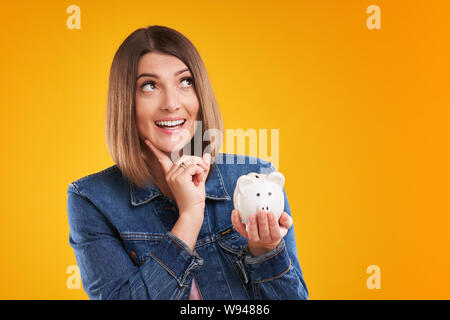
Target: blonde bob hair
(124, 144)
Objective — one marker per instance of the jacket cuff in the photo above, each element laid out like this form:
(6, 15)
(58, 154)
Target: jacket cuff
(270, 265)
(176, 257)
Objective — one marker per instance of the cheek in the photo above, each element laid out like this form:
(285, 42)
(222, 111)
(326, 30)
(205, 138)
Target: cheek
(194, 112)
(193, 106)
(143, 118)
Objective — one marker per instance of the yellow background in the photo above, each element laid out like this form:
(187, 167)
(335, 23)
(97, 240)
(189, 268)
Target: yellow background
(363, 118)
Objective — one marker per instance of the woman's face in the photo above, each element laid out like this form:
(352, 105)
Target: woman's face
(165, 92)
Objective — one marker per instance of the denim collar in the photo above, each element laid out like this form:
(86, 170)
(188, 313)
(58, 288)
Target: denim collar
(214, 189)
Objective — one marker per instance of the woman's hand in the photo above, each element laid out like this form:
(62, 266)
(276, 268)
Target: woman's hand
(188, 188)
(187, 185)
(264, 231)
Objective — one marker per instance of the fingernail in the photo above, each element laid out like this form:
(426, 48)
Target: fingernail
(270, 216)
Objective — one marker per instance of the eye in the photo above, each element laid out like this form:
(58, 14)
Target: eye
(270, 193)
(151, 83)
(256, 176)
(258, 194)
(188, 79)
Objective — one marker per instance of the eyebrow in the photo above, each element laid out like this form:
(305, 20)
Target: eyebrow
(157, 77)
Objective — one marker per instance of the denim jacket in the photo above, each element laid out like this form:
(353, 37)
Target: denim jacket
(124, 248)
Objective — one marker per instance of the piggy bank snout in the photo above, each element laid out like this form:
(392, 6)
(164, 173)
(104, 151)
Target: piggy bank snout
(266, 203)
(264, 208)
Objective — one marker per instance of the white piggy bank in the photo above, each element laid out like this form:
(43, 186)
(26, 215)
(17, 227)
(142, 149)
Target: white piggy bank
(257, 191)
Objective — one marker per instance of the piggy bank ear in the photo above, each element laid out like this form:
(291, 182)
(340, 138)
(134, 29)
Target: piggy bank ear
(277, 178)
(256, 175)
(244, 182)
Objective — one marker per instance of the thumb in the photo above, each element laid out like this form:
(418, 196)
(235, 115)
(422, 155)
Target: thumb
(285, 220)
(163, 159)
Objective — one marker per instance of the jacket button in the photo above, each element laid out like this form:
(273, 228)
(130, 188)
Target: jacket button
(132, 254)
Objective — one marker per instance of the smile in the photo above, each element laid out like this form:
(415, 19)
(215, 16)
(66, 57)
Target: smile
(171, 127)
(170, 124)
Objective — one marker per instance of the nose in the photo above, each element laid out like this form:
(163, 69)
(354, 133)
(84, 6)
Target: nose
(171, 107)
(170, 101)
(264, 208)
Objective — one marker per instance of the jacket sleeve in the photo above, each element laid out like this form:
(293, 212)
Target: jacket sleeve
(277, 274)
(107, 272)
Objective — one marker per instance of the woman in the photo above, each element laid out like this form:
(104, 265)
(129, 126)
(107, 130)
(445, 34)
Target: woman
(160, 223)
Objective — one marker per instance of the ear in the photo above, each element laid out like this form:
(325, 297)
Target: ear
(277, 178)
(244, 182)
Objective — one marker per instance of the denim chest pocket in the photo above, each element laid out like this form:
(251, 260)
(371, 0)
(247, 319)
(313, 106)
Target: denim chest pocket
(231, 241)
(139, 245)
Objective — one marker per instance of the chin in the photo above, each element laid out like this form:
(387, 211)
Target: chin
(172, 147)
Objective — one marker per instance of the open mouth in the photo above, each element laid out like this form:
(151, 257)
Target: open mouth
(170, 124)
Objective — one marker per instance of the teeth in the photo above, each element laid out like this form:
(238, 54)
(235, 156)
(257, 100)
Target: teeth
(170, 123)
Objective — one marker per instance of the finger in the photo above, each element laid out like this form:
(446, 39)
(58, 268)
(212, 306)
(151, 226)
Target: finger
(176, 171)
(205, 166)
(194, 160)
(253, 228)
(274, 228)
(191, 159)
(204, 162)
(238, 225)
(196, 180)
(163, 159)
(200, 178)
(189, 173)
(194, 174)
(263, 226)
(285, 220)
(207, 158)
(283, 232)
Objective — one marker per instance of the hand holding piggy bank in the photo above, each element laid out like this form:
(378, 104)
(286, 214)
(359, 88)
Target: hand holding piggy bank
(257, 191)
